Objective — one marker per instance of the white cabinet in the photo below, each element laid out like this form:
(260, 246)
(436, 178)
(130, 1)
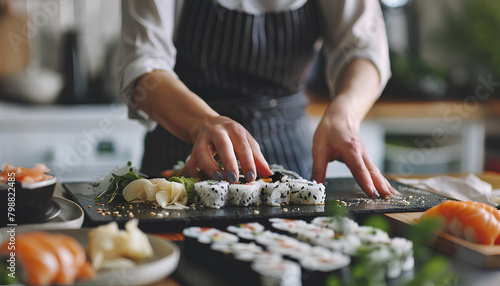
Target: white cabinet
(78, 143)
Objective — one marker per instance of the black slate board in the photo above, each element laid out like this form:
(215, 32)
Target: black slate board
(154, 219)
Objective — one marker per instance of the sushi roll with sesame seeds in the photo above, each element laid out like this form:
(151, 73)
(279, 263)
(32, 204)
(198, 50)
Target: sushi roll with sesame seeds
(212, 194)
(307, 192)
(275, 193)
(245, 194)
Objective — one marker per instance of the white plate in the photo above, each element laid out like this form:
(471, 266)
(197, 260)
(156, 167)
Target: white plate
(164, 261)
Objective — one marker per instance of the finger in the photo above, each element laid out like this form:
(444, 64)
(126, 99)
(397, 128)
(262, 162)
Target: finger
(191, 168)
(321, 158)
(393, 190)
(225, 149)
(379, 181)
(203, 153)
(354, 161)
(243, 151)
(260, 163)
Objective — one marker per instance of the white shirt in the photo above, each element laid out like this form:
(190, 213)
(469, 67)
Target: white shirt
(352, 29)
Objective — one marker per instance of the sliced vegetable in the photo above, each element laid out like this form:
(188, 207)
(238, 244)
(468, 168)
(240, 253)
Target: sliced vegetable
(188, 184)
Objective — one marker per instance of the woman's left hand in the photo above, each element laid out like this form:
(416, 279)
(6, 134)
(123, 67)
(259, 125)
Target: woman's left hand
(337, 138)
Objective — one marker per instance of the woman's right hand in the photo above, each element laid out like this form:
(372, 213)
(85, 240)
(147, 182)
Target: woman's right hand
(231, 142)
(170, 103)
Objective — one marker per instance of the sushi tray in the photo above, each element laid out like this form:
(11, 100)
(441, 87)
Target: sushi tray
(338, 190)
(292, 252)
(485, 256)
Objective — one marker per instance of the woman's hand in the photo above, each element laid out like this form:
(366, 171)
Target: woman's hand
(230, 141)
(169, 102)
(337, 138)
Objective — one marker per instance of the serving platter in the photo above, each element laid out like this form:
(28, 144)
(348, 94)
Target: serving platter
(155, 219)
(485, 256)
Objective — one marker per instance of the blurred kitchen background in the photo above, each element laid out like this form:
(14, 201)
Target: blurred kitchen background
(440, 112)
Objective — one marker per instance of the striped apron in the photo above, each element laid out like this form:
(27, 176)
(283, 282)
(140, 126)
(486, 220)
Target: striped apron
(251, 68)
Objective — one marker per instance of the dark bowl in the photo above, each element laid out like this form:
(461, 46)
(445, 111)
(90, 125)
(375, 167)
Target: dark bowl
(22, 203)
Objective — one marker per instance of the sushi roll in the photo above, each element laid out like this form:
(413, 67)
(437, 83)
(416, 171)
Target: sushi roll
(323, 263)
(341, 225)
(404, 248)
(347, 244)
(275, 193)
(245, 194)
(220, 257)
(372, 235)
(246, 252)
(312, 234)
(212, 194)
(379, 256)
(302, 230)
(291, 249)
(287, 226)
(307, 192)
(268, 238)
(273, 270)
(246, 231)
(191, 234)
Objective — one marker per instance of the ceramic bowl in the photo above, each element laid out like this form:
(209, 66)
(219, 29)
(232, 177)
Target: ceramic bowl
(28, 202)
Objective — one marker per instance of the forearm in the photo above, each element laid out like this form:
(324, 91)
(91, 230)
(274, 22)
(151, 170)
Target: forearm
(170, 103)
(357, 91)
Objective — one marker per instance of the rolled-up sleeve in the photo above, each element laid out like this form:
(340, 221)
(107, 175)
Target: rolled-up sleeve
(353, 29)
(146, 44)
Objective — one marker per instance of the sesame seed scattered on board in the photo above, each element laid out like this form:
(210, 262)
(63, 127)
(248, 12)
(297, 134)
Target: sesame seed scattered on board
(89, 206)
(256, 212)
(116, 212)
(152, 213)
(130, 214)
(285, 209)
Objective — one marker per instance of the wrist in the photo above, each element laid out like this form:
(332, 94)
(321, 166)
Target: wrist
(345, 109)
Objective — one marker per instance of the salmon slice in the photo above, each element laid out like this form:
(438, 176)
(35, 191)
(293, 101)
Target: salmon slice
(67, 264)
(49, 259)
(25, 175)
(40, 265)
(473, 221)
(84, 268)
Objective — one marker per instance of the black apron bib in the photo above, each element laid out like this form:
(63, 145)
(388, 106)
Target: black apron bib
(250, 68)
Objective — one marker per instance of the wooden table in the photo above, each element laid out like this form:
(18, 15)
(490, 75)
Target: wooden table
(477, 275)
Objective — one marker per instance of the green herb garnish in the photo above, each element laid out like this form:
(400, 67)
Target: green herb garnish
(118, 182)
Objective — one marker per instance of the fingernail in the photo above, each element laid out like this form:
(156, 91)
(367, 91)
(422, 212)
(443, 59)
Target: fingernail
(375, 192)
(250, 175)
(218, 176)
(231, 177)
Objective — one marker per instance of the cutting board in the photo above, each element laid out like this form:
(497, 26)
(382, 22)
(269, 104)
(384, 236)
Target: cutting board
(484, 256)
(153, 219)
